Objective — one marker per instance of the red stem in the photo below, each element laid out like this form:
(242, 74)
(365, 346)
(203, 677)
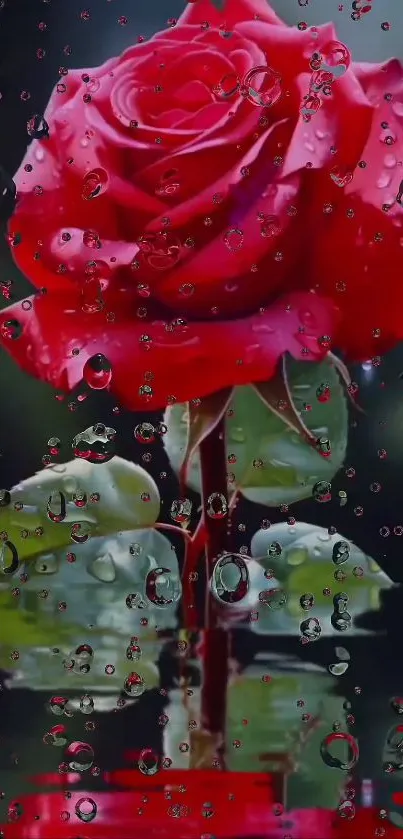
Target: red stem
(193, 552)
(216, 640)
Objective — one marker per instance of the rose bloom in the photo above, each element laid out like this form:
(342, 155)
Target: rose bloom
(185, 220)
(232, 804)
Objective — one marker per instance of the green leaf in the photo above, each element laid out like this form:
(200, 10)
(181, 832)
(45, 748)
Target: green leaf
(275, 727)
(219, 4)
(128, 498)
(94, 589)
(202, 419)
(270, 461)
(305, 566)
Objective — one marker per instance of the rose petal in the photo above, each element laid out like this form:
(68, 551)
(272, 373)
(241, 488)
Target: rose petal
(234, 11)
(359, 237)
(186, 361)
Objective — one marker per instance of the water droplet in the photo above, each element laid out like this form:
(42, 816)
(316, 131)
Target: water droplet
(310, 628)
(86, 704)
(148, 761)
(340, 553)
(233, 239)
(57, 705)
(228, 86)
(56, 507)
(163, 587)
(86, 809)
(262, 86)
(37, 127)
(144, 432)
(11, 330)
(339, 668)
(322, 491)
(181, 510)
(94, 183)
(9, 561)
(46, 564)
(96, 444)
(103, 568)
(345, 740)
(217, 506)
(80, 532)
(134, 685)
(230, 579)
(80, 756)
(97, 372)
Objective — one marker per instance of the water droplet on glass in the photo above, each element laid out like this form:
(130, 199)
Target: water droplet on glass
(86, 704)
(148, 761)
(11, 330)
(346, 810)
(144, 432)
(9, 561)
(181, 510)
(233, 239)
(322, 491)
(230, 579)
(96, 444)
(217, 506)
(97, 372)
(262, 86)
(80, 756)
(134, 685)
(94, 184)
(340, 553)
(163, 587)
(37, 127)
(56, 507)
(306, 601)
(46, 564)
(86, 809)
(310, 628)
(333, 742)
(57, 705)
(80, 532)
(228, 86)
(339, 668)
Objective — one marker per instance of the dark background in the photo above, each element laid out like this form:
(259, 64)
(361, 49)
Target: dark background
(30, 413)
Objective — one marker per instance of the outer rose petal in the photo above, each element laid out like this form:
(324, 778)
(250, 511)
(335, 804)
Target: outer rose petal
(358, 249)
(234, 11)
(186, 361)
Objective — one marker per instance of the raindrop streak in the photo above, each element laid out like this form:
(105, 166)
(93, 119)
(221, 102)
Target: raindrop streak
(335, 762)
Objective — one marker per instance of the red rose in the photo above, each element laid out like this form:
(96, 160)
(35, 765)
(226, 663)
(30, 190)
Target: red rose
(190, 224)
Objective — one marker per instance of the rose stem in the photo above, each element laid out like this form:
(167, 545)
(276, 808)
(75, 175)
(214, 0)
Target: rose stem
(216, 640)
